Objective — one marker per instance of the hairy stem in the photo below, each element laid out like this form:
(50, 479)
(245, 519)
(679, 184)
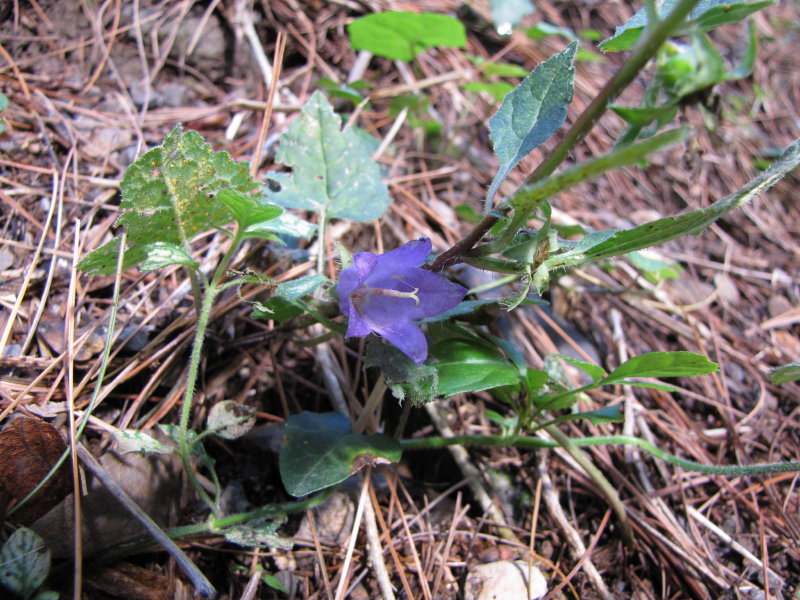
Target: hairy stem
(641, 55)
(531, 442)
(212, 290)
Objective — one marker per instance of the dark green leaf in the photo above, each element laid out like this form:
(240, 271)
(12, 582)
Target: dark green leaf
(402, 35)
(333, 172)
(606, 244)
(662, 364)
(319, 451)
(470, 365)
(531, 113)
(278, 309)
(418, 384)
(643, 116)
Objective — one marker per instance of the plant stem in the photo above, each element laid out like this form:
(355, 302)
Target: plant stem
(194, 366)
(531, 442)
(641, 55)
(597, 476)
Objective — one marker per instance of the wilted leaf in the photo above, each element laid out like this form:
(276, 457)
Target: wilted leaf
(132, 440)
(230, 420)
(29, 448)
(531, 113)
(333, 172)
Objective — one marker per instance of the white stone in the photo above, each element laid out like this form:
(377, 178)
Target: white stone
(504, 580)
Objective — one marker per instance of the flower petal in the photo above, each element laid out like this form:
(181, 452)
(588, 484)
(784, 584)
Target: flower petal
(436, 292)
(406, 336)
(412, 254)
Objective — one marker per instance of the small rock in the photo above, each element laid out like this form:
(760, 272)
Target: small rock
(504, 580)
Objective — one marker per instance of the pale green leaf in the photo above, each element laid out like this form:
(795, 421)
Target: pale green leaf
(507, 13)
(163, 254)
(24, 562)
(708, 14)
(531, 113)
(333, 172)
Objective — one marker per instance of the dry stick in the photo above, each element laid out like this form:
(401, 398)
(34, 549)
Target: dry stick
(374, 548)
(584, 123)
(573, 537)
(69, 339)
(362, 501)
(199, 581)
(280, 47)
(318, 550)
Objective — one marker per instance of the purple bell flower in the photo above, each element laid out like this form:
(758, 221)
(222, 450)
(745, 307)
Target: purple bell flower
(386, 293)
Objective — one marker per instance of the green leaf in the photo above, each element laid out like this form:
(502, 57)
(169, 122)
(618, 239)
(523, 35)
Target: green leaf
(297, 288)
(24, 562)
(278, 309)
(507, 13)
(284, 224)
(662, 364)
(496, 90)
(164, 254)
(708, 14)
(544, 29)
(745, 67)
(230, 419)
(333, 172)
(499, 69)
(531, 113)
(605, 244)
(132, 440)
(273, 582)
(784, 374)
(319, 451)
(3, 106)
(685, 69)
(643, 116)
(403, 35)
(168, 196)
(246, 209)
(592, 370)
(470, 365)
(607, 414)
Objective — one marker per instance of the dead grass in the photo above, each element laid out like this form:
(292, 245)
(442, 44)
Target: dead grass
(90, 89)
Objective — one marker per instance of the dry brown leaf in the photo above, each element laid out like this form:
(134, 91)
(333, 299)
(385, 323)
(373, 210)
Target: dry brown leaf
(28, 450)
